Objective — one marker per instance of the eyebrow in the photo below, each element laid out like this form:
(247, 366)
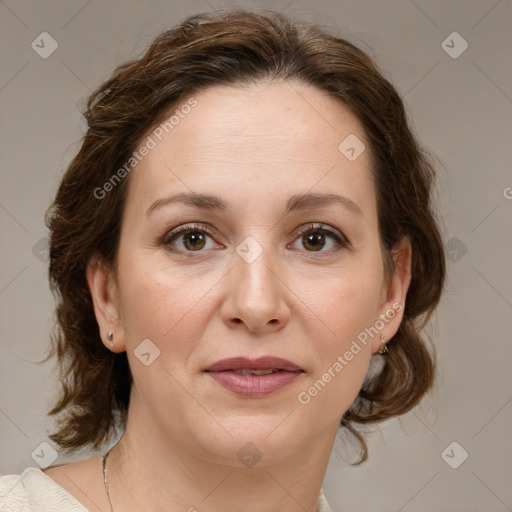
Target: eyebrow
(295, 203)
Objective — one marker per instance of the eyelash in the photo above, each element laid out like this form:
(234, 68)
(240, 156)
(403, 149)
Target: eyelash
(340, 239)
(316, 227)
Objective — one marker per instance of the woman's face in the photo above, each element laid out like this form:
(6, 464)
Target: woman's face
(270, 265)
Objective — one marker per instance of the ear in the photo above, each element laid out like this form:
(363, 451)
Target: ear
(394, 291)
(104, 292)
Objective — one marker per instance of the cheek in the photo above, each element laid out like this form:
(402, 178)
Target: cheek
(164, 304)
(350, 307)
(161, 306)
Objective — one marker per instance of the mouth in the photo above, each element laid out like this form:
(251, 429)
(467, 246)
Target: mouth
(246, 371)
(266, 364)
(254, 377)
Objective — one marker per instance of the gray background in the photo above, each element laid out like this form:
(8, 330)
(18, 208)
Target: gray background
(461, 108)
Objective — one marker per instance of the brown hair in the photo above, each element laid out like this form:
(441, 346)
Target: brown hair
(229, 48)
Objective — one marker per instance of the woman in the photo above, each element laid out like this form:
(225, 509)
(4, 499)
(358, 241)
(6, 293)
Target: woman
(245, 229)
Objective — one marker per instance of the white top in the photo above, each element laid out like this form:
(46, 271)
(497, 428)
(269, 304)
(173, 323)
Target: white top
(34, 491)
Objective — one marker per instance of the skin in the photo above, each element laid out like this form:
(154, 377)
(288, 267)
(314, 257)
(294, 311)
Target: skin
(253, 147)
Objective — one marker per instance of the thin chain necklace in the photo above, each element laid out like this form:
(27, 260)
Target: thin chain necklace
(105, 479)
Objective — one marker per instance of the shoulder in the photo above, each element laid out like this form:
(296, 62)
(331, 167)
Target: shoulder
(322, 505)
(34, 491)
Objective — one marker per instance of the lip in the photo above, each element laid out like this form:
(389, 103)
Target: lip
(223, 372)
(262, 363)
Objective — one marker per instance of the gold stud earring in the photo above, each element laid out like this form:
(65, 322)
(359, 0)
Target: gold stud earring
(383, 348)
(110, 337)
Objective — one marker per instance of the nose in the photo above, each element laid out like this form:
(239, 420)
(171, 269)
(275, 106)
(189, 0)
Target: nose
(256, 296)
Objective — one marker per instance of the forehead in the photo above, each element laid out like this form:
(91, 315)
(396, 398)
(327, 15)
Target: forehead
(272, 137)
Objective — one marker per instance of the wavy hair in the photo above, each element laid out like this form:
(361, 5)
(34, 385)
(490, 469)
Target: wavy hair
(234, 47)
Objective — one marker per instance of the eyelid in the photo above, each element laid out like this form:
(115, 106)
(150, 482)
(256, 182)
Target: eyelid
(319, 226)
(341, 240)
(171, 233)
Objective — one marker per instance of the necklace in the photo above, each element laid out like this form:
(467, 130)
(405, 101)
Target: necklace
(105, 479)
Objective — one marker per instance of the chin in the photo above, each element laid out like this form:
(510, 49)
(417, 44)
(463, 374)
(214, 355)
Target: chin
(252, 440)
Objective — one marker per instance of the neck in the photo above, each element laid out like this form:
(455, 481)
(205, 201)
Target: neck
(149, 470)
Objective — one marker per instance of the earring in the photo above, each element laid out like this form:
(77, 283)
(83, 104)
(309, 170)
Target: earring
(383, 348)
(110, 337)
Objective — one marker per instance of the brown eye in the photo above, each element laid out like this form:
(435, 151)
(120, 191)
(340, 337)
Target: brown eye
(194, 240)
(314, 241)
(321, 239)
(189, 238)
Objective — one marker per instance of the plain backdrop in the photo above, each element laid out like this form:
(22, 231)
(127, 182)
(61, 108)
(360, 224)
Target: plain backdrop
(460, 101)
